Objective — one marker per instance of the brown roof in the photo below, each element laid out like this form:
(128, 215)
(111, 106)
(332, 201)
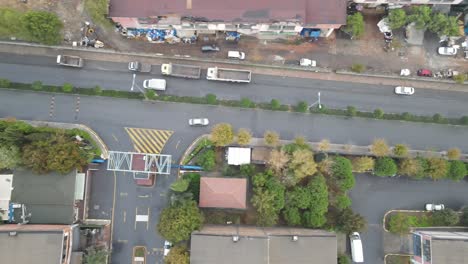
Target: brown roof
(223, 192)
(306, 11)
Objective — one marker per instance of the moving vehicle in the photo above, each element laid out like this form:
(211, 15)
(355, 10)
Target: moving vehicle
(435, 207)
(179, 70)
(198, 122)
(236, 55)
(307, 62)
(155, 84)
(167, 247)
(70, 61)
(228, 75)
(449, 51)
(424, 73)
(209, 48)
(139, 67)
(403, 90)
(356, 247)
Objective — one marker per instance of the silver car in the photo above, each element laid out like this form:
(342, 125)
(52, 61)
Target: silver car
(449, 51)
(404, 90)
(435, 207)
(198, 122)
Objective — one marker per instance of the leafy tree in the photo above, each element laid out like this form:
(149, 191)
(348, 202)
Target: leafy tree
(243, 136)
(342, 201)
(464, 216)
(10, 157)
(437, 168)
(314, 219)
(302, 163)
(97, 90)
(397, 18)
(14, 134)
(379, 148)
(342, 172)
(35, 156)
(400, 150)
(247, 170)
(222, 134)
(43, 27)
(443, 25)
(194, 186)
(275, 104)
(246, 103)
(315, 215)
(348, 221)
(207, 160)
(278, 160)
(95, 256)
(363, 164)
(421, 16)
(150, 94)
(343, 259)
(268, 198)
(177, 255)
(211, 99)
(446, 217)
(271, 138)
(411, 167)
(63, 157)
(176, 223)
(378, 113)
(292, 216)
(324, 145)
(181, 185)
(299, 197)
(457, 170)
(355, 25)
(302, 107)
(399, 223)
(67, 87)
(37, 85)
(385, 167)
(453, 154)
(351, 111)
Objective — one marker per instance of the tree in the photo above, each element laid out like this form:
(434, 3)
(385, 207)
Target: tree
(194, 185)
(443, 25)
(10, 157)
(400, 150)
(63, 157)
(67, 87)
(271, 138)
(275, 104)
(351, 111)
(211, 99)
(315, 215)
(399, 223)
(437, 168)
(378, 113)
(207, 160)
(278, 160)
(464, 216)
(292, 216)
(302, 107)
(222, 134)
(379, 148)
(181, 185)
(95, 256)
(453, 154)
(302, 163)
(299, 197)
(36, 85)
(243, 136)
(363, 164)
(355, 25)
(268, 198)
(421, 16)
(177, 255)
(397, 18)
(385, 167)
(342, 172)
(324, 145)
(459, 78)
(246, 103)
(457, 170)
(342, 201)
(43, 27)
(35, 156)
(411, 168)
(176, 223)
(446, 217)
(150, 94)
(347, 221)
(247, 170)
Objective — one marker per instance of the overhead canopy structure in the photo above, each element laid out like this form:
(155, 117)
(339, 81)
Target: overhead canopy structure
(139, 162)
(238, 156)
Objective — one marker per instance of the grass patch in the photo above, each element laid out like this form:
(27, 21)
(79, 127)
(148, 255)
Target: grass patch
(204, 143)
(97, 9)
(394, 259)
(218, 217)
(139, 252)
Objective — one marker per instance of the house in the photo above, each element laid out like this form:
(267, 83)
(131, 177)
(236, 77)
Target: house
(256, 245)
(408, 2)
(238, 156)
(228, 193)
(264, 19)
(38, 244)
(436, 246)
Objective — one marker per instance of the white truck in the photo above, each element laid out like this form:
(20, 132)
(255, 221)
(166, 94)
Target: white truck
(70, 61)
(179, 70)
(228, 75)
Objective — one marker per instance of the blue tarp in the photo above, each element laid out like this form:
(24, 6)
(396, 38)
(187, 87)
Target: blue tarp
(310, 32)
(232, 35)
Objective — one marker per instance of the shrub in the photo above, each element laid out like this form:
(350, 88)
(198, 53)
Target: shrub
(292, 216)
(351, 111)
(275, 104)
(437, 168)
(399, 223)
(222, 134)
(150, 94)
(247, 170)
(446, 217)
(438, 118)
(67, 87)
(457, 170)
(342, 201)
(460, 78)
(342, 171)
(406, 116)
(97, 90)
(243, 136)
(207, 160)
(453, 154)
(380, 148)
(378, 113)
(359, 68)
(302, 107)
(43, 27)
(464, 216)
(324, 145)
(5, 83)
(343, 259)
(385, 167)
(400, 150)
(211, 99)
(412, 168)
(37, 85)
(355, 25)
(363, 164)
(464, 120)
(246, 103)
(271, 138)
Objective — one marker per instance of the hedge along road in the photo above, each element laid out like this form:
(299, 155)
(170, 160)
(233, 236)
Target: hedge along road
(366, 97)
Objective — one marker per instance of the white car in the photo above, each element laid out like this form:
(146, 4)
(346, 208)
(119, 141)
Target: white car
(307, 62)
(404, 90)
(198, 122)
(450, 51)
(236, 55)
(435, 207)
(155, 84)
(167, 247)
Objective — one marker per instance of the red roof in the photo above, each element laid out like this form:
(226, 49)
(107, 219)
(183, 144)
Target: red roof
(223, 192)
(305, 11)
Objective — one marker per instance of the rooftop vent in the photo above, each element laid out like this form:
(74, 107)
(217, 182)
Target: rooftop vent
(295, 238)
(235, 238)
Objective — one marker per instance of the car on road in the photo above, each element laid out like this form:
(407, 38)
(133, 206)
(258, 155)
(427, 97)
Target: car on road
(434, 207)
(198, 121)
(356, 247)
(155, 84)
(209, 48)
(449, 51)
(404, 90)
(167, 247)
(424, 73)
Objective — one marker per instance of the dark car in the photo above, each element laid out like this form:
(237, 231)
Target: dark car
(209, 48)
(424, 72)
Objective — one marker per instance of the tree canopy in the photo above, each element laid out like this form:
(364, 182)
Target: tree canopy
(385, 167)
(397, 18)
(302, 164)
(268, 198)
(43, 27)
(342, 171)
(222, 134)
(177, 255)
(355, 25)
(243, 136)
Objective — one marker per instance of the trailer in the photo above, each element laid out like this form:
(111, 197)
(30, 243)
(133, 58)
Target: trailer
(229, 75)
(70, 61)
(179, 70)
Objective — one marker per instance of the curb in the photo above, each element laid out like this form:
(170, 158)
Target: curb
(395, 254)
(189, 149)
(397, 77)
(397, 210)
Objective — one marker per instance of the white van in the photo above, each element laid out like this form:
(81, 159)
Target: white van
(155, 84)
(236, 55)
(356, 247)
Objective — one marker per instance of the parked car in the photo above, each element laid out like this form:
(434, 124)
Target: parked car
(155, 84)
(403, 90)
(167, 247)
(449, 51)
(424, 72)
(435, 207)
(198, 122)
(356, 248)
(308, 62)
(236, 55)
(209, 48)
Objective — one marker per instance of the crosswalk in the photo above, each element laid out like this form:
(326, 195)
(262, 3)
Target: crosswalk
(148, 140)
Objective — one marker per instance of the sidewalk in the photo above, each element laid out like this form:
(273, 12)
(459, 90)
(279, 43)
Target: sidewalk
(284, 71)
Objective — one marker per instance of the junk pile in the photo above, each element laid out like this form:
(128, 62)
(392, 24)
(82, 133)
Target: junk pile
(155, 35)
(233, 35)
(89, 37)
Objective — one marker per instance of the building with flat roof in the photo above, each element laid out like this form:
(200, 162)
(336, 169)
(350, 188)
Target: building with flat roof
(436, 246)
(231, 244)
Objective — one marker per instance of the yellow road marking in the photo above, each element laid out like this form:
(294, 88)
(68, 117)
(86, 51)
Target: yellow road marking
(148, 140)
(144, 145)
(145, 140)
(135, 141)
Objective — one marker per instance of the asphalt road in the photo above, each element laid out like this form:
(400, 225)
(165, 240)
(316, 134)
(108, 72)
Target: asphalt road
(262, 89)
(109, 116)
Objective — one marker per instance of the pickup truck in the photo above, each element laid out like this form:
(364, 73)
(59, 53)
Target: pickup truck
(229, 75)
(70, 61)
(179, 70)
(139, 67)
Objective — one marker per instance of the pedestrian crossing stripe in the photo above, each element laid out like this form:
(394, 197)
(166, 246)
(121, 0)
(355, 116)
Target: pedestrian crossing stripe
(150, 141)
